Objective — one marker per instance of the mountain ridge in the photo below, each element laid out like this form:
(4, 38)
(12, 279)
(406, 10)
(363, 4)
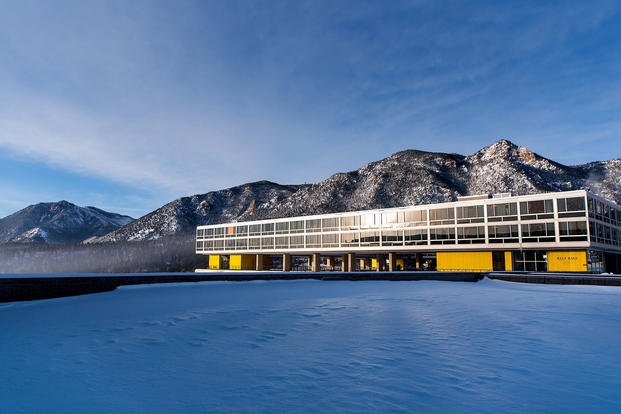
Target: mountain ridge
(404, 178)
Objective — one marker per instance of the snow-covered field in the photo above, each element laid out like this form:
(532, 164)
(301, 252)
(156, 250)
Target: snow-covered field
(311, 346)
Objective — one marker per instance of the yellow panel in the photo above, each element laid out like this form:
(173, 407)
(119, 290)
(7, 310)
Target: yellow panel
(242, 262)
(508, 261)
(464, 261)
(249, 262)
(400, 264)
(374, 264)
(214, 261)
(567, 261)
(235, 262)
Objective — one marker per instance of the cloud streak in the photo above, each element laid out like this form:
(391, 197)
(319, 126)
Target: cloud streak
(190, 97)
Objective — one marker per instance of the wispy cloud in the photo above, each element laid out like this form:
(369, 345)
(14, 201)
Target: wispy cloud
(187, 97)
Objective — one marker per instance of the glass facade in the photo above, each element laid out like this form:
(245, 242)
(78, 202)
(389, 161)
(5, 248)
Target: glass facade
(565, 219)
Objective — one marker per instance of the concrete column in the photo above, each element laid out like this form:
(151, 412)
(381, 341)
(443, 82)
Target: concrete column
(419, 259)
(344, 267)
(286, 262)
(351, 257)
(392, 261)
(259, 262)
(316, 264)
(330, 262)
(379, 258)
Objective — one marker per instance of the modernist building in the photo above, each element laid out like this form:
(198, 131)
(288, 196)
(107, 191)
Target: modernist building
(572, 231)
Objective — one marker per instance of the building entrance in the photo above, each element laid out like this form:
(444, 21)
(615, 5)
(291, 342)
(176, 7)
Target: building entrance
(498, 261)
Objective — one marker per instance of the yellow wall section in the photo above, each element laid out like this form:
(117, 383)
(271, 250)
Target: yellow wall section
(214, 261)
(567, 261)
(400, 264)
(464, 261)
(508, 261)
(242, 262)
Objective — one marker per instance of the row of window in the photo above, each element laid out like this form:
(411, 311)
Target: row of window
(531, 233)
(605, 234)
(604, 212)
(502, 212)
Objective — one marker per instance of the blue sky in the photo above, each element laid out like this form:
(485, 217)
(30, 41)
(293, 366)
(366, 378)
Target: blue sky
(128, 105)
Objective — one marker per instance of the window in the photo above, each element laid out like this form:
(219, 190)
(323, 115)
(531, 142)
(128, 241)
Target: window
(503, 234)
(470, 214)
(218, 232)
(471, 235)
(502, 212)
(267, 242)
(267, 228)
(370, 238)
(241, 231)
(350, 239)
(392, 238)
(538, 232)
(282, 227)
(442, 235)
(313, 240)
(330, 224)
(254, 243)
(282, 242)
(313, 225)
(416, 218)
(530, 261)
(415, 237)
(200, 233)
(573, 231)
(536, 210)
(242, 244)
(370, 220)
(442, 216)
(297, 241)
(350, 222)
(230, 244)
(254, 229)
(571, 207)
(392, 218)
(199, 245)
(297, 226)
(330, 240)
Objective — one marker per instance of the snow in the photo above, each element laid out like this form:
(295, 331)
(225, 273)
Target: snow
(311, 346)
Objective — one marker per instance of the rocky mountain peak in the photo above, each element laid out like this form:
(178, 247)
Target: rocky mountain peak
(502, 149)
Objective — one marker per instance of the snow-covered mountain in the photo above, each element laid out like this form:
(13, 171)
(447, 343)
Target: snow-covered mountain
(182, 215)
(405, 178)
(58, 223)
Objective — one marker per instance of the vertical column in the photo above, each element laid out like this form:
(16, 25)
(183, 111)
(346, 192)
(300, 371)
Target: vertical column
(330, 262)
(350, 262)
(344, 264)
(315, 265)
(419, 257)
(392, 259)
(286, 262)
(259, 262)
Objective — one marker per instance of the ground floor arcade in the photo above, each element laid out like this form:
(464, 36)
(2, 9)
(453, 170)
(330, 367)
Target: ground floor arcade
(476, 261)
